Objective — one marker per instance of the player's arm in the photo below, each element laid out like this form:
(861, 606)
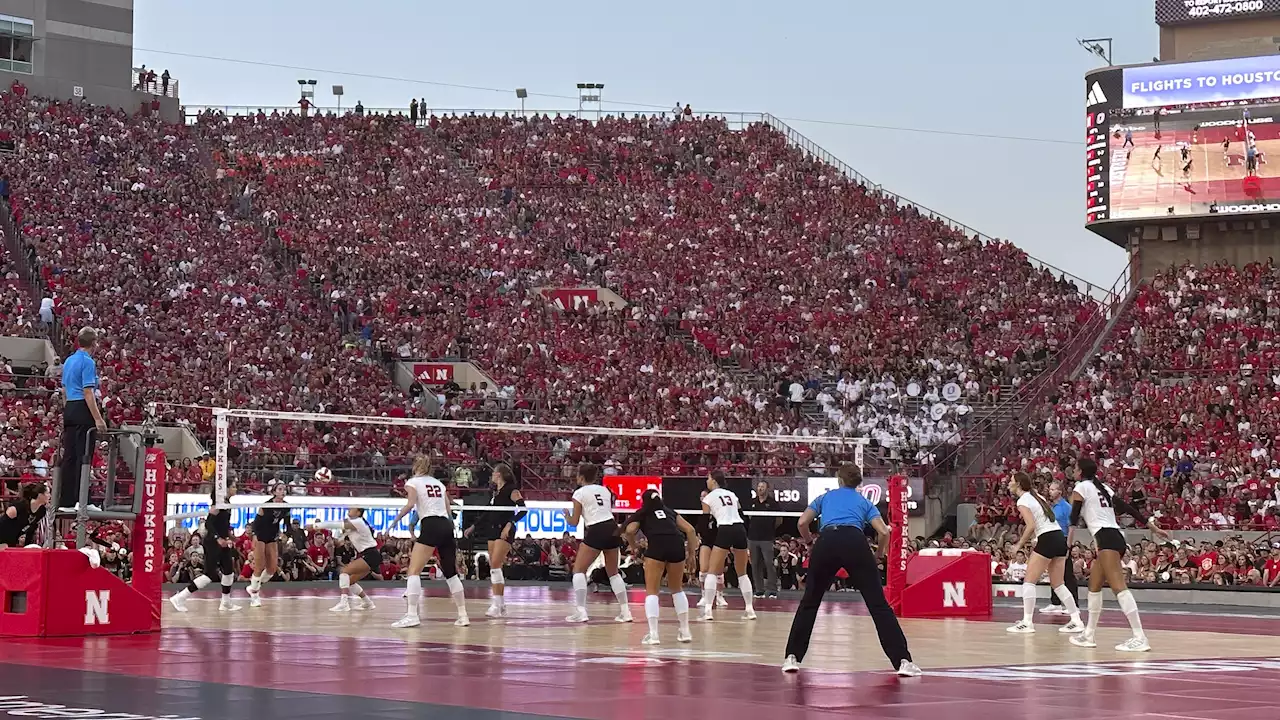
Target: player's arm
(690, 543)
(804, 521)
(1077, 504)
(410, 502)
(1029, 527)
(572, 516)
(515, 495)
(629, 532)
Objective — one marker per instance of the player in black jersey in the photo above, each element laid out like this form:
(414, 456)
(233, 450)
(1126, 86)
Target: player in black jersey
(498, 529)
(218, 548)
(266, 550)
(20, 520)
(671, 543)
(707, 540)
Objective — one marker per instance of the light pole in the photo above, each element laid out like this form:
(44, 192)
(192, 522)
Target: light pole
(590, 93)
(1095, 46)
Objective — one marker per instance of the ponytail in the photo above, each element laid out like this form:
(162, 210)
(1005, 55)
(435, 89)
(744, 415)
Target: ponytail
(1024, 483)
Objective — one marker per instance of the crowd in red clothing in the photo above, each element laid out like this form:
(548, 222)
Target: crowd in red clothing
(1182, 403)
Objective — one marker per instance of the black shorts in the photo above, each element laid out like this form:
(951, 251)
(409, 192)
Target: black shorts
(731, 537)
(707, 538)
(436, 532)
(602, 536)
(1110, 539)
(373, 558)
(1051, 545)
(217, 560)
(666, 548)
(266, 533)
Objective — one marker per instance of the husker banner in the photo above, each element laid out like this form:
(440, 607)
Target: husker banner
(433, 373)
(1209, 81)
(572, 298)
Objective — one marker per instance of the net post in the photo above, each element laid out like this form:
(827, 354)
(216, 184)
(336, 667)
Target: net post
(222, 424)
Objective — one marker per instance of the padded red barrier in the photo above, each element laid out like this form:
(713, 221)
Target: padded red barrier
(953, 584)
(54, 593)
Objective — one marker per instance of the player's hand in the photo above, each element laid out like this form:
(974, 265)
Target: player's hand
(506, 530)
(468, 531)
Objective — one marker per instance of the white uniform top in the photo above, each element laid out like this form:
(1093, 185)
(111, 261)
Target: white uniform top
(433, 501)
(724, 507)
(1096, 511)
(1044, 524)
(360, 535)
(596, 502)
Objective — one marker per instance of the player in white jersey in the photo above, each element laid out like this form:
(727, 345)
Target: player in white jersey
(368, 558)
(593, 505)
(430, 498)
(1050, 553)
(1097, 503)
(731, 534)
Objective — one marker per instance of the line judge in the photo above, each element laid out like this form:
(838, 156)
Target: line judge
(842, 543)
(81, 417)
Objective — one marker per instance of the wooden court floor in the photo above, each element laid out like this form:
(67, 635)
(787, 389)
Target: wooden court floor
(1148, 186)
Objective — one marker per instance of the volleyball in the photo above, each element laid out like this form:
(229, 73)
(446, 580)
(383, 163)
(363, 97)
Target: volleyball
(323, 475)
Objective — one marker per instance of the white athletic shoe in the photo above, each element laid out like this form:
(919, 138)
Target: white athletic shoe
(578, 616)
(909, 669)
(720, 601)
(750, 614)
(624, 617)
(179, 603)
(706, 614)
(791, 665)
(1021, 628)
(1053, 610)
(684, 636)
(1075, 626)
(363, 603)
(495, 612)
(1134, 644)
(344, 605)
(255, 601)
(228, 606)
(408, 621)
(1084, 640)
(462, 621)
(650, 639)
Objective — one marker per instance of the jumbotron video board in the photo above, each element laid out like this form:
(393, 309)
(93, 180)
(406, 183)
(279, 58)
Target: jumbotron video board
(1186, 12)
(1182, 139)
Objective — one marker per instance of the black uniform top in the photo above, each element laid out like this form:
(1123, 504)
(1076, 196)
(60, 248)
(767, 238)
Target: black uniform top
(656, 522)
(269, 520)
(502, 498)
(20, 531)
(217, 527)
(762, 527)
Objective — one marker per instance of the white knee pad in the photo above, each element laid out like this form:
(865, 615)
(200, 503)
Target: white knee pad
(681, 601)
(413, 585)
(617, 584)
(228, 580)
(455, 585)
(344, 581)
(495, 577)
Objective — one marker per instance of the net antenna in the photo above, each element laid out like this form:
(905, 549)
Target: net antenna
(223, 416)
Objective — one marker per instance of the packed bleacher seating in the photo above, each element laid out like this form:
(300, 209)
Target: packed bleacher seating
(1179, 405)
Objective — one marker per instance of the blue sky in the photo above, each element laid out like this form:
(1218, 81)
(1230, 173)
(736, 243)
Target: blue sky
(990, 67)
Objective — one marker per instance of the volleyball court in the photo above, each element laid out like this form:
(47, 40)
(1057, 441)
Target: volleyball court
(1198, 159)
(531, 659)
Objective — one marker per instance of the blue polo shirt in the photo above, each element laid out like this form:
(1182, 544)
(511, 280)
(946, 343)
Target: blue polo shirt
(843, 507)
(78, 372)
(1062, 513)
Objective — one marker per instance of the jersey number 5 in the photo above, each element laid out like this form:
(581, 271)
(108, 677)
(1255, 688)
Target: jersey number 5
(600, 501)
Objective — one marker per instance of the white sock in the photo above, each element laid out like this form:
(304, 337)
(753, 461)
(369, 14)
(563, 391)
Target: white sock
(455, 590)
(1130, 608)
(651, 613)
(619, 587)
(255, 582)
(1028, 602)
(357, 590)
(681, 602)
(1068, 602)
(744, 584)
(580, 591)
(344, 584)
(709, 590)
(1095, 612)
(413, 593)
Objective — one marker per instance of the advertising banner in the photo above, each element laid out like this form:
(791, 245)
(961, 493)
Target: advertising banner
(1208, 81)
(875, 489)
(148, 536)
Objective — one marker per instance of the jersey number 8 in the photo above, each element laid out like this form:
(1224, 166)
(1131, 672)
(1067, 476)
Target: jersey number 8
(660, 514)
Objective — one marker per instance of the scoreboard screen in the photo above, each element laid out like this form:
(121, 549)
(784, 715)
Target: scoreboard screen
(1183, 12)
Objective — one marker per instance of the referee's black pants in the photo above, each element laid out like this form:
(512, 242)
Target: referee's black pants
(846, 547)
(1068, 579)
(77, 444)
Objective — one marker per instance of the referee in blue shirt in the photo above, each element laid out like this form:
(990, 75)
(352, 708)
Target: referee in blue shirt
(842, 515)
(81, 416)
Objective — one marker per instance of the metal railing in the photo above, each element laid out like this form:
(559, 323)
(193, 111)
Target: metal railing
(154, 83)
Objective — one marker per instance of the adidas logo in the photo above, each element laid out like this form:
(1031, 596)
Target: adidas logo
(1095, 96)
